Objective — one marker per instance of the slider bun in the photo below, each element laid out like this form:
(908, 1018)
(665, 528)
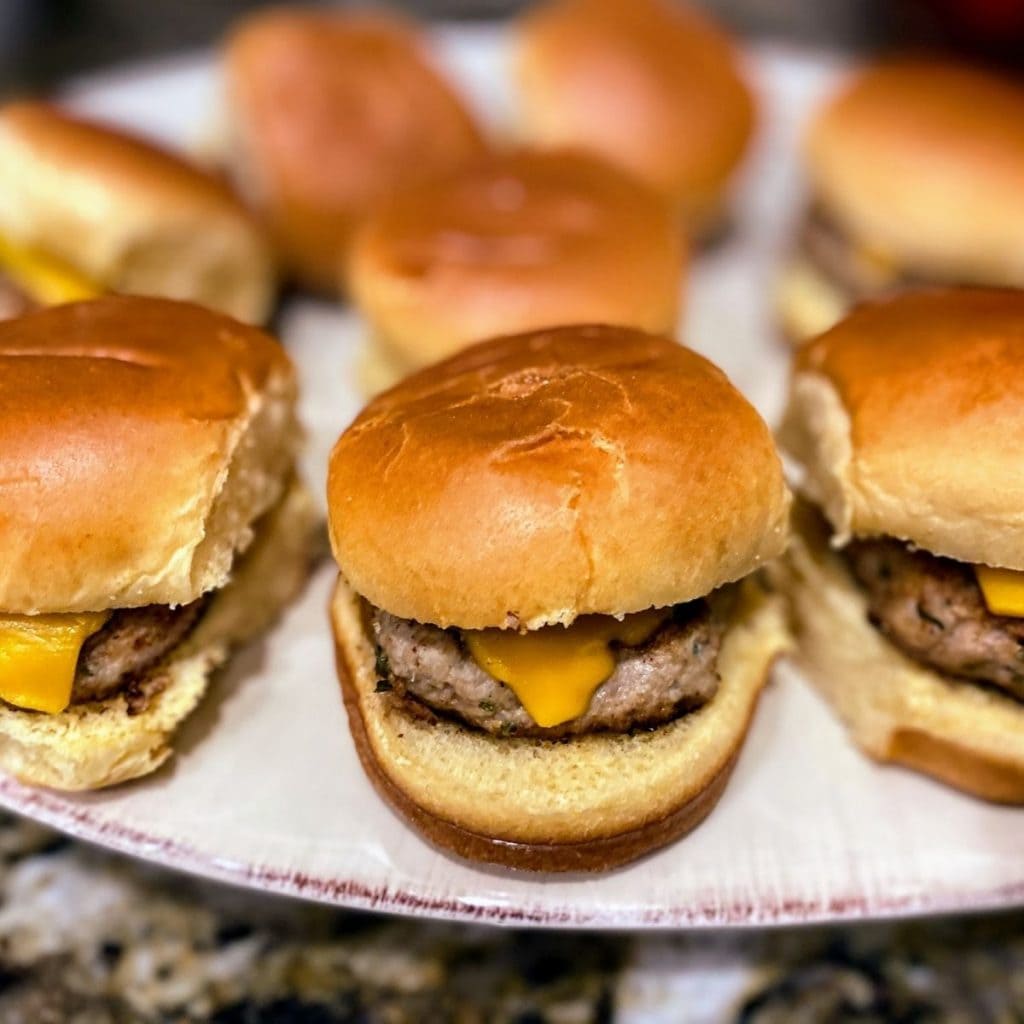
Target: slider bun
(93, 745)
(535, 478)
(515, 242)
(908, 418)
(588, 805)
(128, 216)
(924, 162)
(329, 112)
(648, 84)
(139, 441)
(895, 708)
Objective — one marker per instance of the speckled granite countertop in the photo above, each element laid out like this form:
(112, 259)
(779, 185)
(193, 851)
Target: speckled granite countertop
(88, 937)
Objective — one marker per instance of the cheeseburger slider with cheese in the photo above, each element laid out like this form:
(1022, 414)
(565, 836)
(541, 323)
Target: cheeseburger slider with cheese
(86, 209)
(550, 627)
(650, 84)
(907, 578)
(916, 171)
(509, 243)
(327, 113)
(150, 521)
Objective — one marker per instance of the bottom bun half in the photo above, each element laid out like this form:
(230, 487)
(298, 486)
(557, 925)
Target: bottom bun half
(89, 746)
(585, 804)
(895, 708)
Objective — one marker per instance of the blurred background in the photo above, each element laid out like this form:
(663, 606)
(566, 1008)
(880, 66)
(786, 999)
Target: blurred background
(42, 41)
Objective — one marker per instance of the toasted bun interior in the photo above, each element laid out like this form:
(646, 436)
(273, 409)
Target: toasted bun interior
(649, 84)
(330, 112)
(895, 708)
(128, 216)
(93, 745)
(536, 478)
(908, 418)
(589, 804)
(140, 439)
(514, 242)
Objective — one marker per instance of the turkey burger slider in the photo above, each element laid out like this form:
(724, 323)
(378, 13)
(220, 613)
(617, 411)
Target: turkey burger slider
(551, 633)
(329, 111)
(86, 209)
(151, 521)
(509, 243)
(916, 170)
(652, 85)
(907, 583)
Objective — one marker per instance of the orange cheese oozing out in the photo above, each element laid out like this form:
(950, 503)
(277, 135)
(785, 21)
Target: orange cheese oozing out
(1003, 590)
(39, 655)
(44, 279)
(555, 670)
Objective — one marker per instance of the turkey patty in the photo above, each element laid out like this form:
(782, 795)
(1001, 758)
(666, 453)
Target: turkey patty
(932, 609)
(672, 672)
(131, 643)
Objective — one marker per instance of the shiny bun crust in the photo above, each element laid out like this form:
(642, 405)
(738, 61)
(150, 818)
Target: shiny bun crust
(127, 215)
(532, 479)
(908, 418)
(511, 243)
(589, 804)
(329, 112)
(924, 163)
(140, 439)
(648, 84)
(896, 709)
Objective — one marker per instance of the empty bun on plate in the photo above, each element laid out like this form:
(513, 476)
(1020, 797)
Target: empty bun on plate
(128, 216)
(100, 744)
(513, 242)
(908, 418)
(625, 470)
(140, 440)
(896, 709)
(589, 804)
(923, 162)
(329, 112)
(647, 83)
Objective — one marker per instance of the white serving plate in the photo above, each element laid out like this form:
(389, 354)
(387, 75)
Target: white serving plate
(267, 791)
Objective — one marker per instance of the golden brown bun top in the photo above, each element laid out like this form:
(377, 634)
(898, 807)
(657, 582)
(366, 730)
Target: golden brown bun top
(331, 111)
(89, 149)
(128, 215)
(535, 478)
(923, 162)
(648, 83)
(139, 440)
(514, 242)
(909, 418)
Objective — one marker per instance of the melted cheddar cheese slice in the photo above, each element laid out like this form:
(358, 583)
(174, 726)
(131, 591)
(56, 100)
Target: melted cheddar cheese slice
(44, 279)
(1003, 590)
(39, 655)
(554, 671)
